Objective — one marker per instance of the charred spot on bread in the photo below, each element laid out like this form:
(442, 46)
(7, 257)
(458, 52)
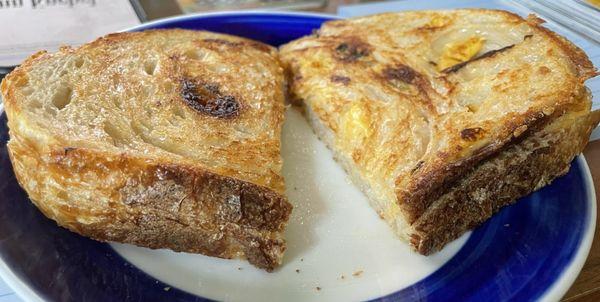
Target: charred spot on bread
(494, 52)
(206, 98)
(400, 72)
(417, 167)
(340, 79)
(471, 134)
(68, 149)
(406, 79)
(352, 50)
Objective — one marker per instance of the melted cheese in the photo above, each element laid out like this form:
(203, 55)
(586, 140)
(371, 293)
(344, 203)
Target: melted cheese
(459, 52)
(355, 123)
(438, 21)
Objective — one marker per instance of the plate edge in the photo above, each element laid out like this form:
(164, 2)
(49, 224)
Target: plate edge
(21, 289)
(568, 276)
(15, 283)
(228, 13)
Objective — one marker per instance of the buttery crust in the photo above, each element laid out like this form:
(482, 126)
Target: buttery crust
(163, 139)
(409, 133)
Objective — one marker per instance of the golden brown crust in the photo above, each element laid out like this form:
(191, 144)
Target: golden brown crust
(183, 208)
(164, 139)
(426, 187)
(501, 180)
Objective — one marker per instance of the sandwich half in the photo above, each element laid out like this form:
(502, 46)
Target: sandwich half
(163, 139)
(443, 117)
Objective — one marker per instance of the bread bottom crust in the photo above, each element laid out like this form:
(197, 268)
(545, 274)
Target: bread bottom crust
(156, 205)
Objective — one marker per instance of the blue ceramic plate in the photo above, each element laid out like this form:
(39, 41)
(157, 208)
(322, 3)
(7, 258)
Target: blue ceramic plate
(337, 247)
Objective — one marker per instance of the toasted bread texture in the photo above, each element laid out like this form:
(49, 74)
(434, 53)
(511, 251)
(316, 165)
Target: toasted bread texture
(163, 139)
(443, 117)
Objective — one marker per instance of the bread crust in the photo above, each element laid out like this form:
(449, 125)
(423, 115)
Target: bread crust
(429, 185)
(486, 188)
(195, 173)
(155, 205)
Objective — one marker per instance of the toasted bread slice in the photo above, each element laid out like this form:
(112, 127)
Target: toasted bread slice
(443, 117)
(163, 139)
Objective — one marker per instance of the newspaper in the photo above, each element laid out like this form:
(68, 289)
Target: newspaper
(27, 26)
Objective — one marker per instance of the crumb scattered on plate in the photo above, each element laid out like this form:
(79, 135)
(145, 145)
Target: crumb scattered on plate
(357, 273)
